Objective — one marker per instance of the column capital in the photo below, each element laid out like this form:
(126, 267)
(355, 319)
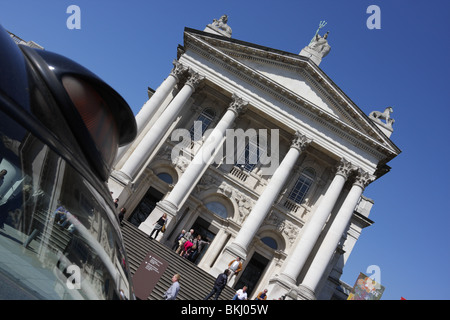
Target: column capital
(300, 141)
(195, 79)
(238, 105)
(344, 168)
(363, 178)
(178, 70)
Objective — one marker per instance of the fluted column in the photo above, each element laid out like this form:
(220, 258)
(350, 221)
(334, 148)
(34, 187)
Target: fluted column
(313, 228)
(151, 139)
(334, 234)
(268, 197)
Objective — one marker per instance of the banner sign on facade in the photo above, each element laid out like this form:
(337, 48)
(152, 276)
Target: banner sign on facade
(366, 288)
(148, 275)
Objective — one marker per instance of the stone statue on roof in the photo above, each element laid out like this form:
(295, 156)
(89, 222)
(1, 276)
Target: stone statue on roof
(220, 26)
(318, 47)
(320, 44)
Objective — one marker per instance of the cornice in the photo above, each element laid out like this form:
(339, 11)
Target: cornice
(380, 146)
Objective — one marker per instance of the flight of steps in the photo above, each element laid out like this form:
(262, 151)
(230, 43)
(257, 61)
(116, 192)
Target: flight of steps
(57, 236)
(195, 283)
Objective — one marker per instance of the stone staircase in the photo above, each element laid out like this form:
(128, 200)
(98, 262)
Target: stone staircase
(195, 283)
(56, 236)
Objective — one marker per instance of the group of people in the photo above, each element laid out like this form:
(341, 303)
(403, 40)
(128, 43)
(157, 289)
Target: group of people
(219, 284)
(189, 246)
(241, 294)
(186, 244)
(234, 267)
(65, 219)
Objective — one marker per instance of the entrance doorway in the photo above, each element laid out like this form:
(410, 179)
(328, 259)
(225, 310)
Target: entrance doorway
(201, 227)
(145, 207)
(252, 273)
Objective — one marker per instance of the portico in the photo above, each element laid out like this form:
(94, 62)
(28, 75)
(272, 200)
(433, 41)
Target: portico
(285, 220)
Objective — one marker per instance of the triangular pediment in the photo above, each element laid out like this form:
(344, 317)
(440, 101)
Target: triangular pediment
(298, 79)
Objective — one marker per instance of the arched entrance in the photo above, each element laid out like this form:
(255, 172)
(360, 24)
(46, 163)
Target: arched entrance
(211, 218)
(252, 273)
(202, 227)
(259, 262)
(145, 207)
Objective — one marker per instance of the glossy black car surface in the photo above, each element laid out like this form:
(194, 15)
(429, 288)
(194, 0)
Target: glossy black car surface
(60, 129)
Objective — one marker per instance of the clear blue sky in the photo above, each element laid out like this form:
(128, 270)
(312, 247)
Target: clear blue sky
(131, 45)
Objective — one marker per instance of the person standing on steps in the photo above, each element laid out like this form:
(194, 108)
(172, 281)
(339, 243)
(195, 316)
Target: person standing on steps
(177, 240)
(172, 292)
(219, 284)
(235, 266)
(159, 225)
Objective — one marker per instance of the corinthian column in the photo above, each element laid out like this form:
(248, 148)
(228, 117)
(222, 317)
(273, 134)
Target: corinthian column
(149, 109)
(193, 173)
(151, 139)
(205, 155)
(267, 198)
(152, 105)
(313, 228)
(334, 234)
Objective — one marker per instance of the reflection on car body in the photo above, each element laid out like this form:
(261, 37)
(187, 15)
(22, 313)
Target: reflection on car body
(59, 232)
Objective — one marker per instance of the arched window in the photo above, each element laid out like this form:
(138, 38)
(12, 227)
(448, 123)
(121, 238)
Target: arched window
(270, 242)
(165, 177)
(217, 208)
(302, 186)
(206, 117)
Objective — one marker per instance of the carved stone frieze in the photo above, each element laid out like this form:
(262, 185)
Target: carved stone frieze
(206, 182)
(181, 163)
(226, 189)
(245, 205)
(283, 226)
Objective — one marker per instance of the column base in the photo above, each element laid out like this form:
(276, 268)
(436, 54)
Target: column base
(280, 288)
(306, 293)
(237, 251)
(120, 177)
(284, 286)
(229, 254)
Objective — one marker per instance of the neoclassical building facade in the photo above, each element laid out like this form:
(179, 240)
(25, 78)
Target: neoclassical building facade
(263, 155)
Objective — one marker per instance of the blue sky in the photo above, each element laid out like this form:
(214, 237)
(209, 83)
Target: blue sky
(404, 64)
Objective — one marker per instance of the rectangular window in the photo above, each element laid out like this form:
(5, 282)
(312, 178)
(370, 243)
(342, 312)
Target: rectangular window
(300, 189)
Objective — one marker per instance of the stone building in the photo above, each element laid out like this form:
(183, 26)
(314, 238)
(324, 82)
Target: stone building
(263, 155)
